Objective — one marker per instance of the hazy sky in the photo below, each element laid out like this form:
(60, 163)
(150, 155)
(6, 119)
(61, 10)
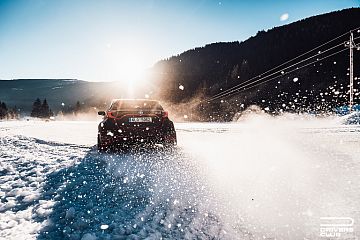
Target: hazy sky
(104, 40)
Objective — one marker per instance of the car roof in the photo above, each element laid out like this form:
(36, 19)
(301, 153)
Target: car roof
(134, 99)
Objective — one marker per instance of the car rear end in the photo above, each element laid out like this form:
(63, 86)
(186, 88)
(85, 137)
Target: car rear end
(129, 122)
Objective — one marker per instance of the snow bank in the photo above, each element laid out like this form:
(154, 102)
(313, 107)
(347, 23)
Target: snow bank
(24, 206)
(352, 119)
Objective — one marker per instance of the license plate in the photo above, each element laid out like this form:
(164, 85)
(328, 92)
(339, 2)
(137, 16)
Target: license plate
(140, 119)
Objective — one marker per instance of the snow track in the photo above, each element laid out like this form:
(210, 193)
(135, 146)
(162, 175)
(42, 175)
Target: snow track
(224, 181)
(25, 164)
(63, 191)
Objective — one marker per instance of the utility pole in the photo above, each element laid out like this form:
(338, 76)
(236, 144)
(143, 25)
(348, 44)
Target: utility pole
(351, 46)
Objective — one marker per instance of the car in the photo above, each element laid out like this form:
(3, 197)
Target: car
(131, 122)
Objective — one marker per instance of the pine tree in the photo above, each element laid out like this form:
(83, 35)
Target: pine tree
(36, 111)
(45, 111)
(8, 113)
(3, 110)
(3, 106)
(13, 113)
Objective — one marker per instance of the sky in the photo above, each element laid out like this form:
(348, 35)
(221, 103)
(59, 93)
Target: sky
(115, 40)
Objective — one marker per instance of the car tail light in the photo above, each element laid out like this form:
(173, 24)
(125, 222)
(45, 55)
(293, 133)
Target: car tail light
(110, 115)
(165, 114)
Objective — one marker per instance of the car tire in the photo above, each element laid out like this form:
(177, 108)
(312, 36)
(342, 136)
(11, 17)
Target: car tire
(169, 138)
(167, 144)
(100, 147)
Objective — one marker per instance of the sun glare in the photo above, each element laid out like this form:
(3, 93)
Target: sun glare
(126, 65)
(130, 68)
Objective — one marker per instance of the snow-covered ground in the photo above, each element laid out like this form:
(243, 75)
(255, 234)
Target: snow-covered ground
(260, 178)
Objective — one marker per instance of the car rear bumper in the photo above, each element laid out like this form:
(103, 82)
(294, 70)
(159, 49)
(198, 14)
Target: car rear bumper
(114, 137)
(113, 133)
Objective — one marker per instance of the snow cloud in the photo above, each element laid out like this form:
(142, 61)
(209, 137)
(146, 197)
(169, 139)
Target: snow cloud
(284, 17)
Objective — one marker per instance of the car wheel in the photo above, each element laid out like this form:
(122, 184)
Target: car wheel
(101, 148)
(169, 139)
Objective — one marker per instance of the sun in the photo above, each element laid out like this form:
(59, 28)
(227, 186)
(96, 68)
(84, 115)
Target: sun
(129, 67)
(127, 64)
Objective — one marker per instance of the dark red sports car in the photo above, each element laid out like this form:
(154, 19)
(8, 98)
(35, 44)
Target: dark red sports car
(135, 121)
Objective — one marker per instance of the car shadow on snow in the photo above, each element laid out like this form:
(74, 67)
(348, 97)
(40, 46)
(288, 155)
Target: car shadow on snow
(135, 194)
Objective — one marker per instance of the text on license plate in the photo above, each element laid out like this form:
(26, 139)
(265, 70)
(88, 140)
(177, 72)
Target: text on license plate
(140, 119)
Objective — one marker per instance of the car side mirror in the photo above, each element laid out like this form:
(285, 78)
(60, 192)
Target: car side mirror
(101, 113)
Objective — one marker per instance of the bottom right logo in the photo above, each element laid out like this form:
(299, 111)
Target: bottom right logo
(337, 227)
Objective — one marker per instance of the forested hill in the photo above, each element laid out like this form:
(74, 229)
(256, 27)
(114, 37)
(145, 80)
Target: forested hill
(216, 67)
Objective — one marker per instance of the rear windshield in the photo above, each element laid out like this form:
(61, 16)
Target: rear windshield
(135, 105)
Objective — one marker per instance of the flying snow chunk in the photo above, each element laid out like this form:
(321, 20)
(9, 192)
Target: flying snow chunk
(88, 236)
(181, 87)
(147, 96)
(284, 17)
(296, 79)
(104, 226)
(70, 213)
(185, 116)
(126, 180)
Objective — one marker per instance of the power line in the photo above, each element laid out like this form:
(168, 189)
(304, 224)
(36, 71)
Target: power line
(279, 71)
(312, 49)
(216, 96)
(234, 90)
(219, 95)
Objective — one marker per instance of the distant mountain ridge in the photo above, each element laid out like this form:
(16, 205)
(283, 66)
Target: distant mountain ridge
(60, 93)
